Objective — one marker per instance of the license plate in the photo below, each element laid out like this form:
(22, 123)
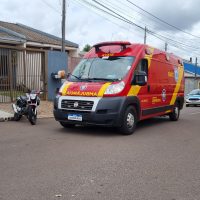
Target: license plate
(75, 117)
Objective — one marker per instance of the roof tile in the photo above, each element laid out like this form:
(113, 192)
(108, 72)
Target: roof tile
(34, 35)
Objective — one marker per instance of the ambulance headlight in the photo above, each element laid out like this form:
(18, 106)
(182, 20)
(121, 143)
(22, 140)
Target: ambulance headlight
(60, 92)
(115, 88)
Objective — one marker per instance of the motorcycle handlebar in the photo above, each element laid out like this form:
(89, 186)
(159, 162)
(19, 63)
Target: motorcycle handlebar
(35, 92)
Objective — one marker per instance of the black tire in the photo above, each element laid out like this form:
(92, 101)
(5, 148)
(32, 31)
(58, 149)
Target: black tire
(187, 105)
(17, 117)
(174, 115)
(129, 121)
(32, 117)
(66, 125)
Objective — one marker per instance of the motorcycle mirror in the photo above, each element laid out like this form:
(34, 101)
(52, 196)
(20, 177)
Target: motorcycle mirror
(57, 90)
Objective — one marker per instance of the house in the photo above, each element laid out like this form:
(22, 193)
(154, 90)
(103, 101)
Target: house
(24, 54)
(24, 36)
(192, 76)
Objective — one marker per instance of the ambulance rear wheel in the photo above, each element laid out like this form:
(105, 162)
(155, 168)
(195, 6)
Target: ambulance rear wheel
(66, 125)
(129, 121)
(174, 115)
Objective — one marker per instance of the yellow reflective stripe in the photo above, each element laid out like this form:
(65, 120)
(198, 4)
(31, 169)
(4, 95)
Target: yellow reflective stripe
(103, 89)
(66, 86)
(168, 111)
(135, 89)
(149, 57)
(178, 84)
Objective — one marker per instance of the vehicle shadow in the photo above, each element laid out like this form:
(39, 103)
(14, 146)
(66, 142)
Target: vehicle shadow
(110, 132)
(90, 131)
(152, 122)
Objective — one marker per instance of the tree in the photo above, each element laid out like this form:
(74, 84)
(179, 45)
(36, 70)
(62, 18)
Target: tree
(87, 48)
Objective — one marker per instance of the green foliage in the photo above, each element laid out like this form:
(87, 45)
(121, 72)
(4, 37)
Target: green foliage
(87, 48)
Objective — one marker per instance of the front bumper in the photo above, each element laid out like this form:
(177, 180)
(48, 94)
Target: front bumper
(189, 102)
(107, 112)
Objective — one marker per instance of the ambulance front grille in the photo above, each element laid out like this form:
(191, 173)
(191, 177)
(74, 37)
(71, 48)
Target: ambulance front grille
(76, 105)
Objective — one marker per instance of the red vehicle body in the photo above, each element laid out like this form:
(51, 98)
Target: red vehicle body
(118, 84)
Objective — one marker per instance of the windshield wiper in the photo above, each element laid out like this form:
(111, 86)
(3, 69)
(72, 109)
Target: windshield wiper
(69, 74)
(93, 79)
(79, 78)
(102, 79)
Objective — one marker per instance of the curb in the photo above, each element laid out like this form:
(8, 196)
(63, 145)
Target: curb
(5, 119)
(45, 116)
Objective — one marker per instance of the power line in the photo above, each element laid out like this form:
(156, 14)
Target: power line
(124, 19)
(127, 9)
(175, 27)
(101, 11)
(143, 15)
(50, 6)
(151, 32)
(172, 40)
(114, 14)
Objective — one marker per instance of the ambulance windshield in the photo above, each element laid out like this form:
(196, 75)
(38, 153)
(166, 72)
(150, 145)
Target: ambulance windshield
(102, 69)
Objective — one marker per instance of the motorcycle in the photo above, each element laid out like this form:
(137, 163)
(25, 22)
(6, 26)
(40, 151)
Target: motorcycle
(27, 105)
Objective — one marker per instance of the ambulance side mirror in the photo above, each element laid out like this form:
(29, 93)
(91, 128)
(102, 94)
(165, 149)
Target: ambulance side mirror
(140, 78)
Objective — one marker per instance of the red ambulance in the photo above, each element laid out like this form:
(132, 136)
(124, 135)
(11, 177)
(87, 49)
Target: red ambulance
(118, 84)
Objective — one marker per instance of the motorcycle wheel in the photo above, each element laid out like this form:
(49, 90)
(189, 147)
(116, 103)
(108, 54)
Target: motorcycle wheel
(17, 117)
(32, 117)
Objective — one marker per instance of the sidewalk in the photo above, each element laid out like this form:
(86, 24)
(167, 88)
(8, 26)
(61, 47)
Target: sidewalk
(45, 110)
(5, 116)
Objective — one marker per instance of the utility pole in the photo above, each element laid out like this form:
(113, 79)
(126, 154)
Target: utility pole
(145, 35)
(196, 68)
(166, 46)
(63, 25)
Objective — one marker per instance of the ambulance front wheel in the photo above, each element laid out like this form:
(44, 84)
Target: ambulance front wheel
(129, 121)
(174, 115)
(66, 125)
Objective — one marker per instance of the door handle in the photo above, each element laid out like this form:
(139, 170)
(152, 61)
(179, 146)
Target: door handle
(148, 88)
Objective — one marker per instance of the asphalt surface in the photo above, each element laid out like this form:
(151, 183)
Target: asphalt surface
(161, 161)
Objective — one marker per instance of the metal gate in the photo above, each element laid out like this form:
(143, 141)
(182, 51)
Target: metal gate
(21, 69)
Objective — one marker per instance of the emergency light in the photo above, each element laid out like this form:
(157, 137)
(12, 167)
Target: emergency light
(123, 45)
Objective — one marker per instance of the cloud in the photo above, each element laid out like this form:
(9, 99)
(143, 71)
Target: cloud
(182, 14)
(84, 26)
(31, 13)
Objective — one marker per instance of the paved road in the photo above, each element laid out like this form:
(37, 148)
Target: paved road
(161, 161)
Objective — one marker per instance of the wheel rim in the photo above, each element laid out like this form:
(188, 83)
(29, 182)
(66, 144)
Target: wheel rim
(130, 120)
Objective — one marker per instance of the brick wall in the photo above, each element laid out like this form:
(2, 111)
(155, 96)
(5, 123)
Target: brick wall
(72, 62)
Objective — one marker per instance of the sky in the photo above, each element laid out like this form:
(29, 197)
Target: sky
(85, 25)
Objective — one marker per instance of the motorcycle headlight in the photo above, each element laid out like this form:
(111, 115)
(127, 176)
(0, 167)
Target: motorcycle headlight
(32, 96)
(115, 88)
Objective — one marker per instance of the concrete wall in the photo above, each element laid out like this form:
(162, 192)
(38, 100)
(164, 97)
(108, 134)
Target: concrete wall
(56, 61)
(191, 84)
(72, 62)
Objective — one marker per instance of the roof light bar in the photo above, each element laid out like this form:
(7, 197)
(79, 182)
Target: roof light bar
(123, 44)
